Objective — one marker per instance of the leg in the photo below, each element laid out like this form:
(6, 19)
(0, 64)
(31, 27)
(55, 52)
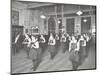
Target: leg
(64, 48)
(35, 65)
(27, 52)
(52, 55)
(75, 65)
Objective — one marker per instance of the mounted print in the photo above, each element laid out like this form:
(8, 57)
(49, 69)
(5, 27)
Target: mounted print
(15, 17)
(52, 37)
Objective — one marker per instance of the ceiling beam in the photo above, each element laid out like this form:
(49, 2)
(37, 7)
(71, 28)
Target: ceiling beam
(38, 5)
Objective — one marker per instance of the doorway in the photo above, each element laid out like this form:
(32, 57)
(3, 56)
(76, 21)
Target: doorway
(51, 25)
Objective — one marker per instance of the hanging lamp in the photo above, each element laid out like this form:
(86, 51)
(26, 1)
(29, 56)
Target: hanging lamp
(79, 12)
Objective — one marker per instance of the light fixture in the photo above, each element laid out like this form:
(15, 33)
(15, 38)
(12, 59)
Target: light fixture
(42, 13)
(36, 27)
(59, 22)
(79, 12)
(85, 20)
(43, 16)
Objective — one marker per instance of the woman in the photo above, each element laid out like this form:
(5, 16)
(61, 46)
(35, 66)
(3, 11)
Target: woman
(74, 50)
(82, 52)
(88, 43)
(35, 52)
(42, 43)
(63, 43)
(17, 43)
(51, 44)
(57, 42)
(67, 42)
(27, 42)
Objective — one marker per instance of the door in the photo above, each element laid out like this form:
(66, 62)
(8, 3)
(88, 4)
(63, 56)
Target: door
(85, 24)
(70, 23)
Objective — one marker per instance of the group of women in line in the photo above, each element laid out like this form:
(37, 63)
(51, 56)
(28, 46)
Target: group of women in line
(77, 46)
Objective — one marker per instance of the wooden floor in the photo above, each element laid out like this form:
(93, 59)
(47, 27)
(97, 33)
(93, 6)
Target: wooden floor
(20, 64)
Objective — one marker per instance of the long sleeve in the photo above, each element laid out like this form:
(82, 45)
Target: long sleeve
(16, 39)
(78, 47)
(43, 39)
(29, 42)
(70, 46)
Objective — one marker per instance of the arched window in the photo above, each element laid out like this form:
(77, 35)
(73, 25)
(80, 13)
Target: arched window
(51, 25)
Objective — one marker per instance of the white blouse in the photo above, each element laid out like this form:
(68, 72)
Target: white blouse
(35, 45)
(35, 42)
(77, 45)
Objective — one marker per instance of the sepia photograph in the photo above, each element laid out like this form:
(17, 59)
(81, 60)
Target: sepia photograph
(52, 37)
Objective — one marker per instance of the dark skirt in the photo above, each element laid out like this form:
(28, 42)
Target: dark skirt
(74, 56)
(63, 46)
(82, 54)
(35, 53)
(43, 47)
(27, 49)
(87, 47)
(57, 44)
(51, 48)
(67, 45)
(82, 51)
(52, 51)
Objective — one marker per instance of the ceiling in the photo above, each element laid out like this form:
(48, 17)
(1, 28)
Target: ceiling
(33, 4)
(49, 7)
